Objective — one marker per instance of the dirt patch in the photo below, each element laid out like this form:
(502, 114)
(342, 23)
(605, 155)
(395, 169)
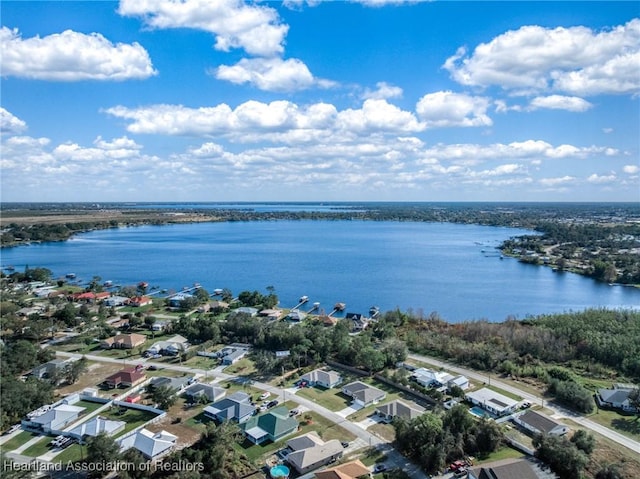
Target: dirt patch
(186, 435)
(95, 374)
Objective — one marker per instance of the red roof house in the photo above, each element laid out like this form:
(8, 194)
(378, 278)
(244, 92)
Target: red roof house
(125, 378)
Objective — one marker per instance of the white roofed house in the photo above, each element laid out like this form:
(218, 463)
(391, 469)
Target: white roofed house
(53, 420)
(429, 378)
(460, 381)
(95, 426)
(151, 445)
(493, 402)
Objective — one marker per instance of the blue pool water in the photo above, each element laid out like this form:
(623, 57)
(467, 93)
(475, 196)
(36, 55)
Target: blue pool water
(478, 411)
(278, 472)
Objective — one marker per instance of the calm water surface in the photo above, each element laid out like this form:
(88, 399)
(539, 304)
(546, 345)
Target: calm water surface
(424, 266)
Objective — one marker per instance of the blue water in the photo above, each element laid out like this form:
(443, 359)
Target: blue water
(420, 266)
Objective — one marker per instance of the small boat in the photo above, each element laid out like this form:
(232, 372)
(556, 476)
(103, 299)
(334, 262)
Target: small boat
(70, 275)
(107, 284)
(217, 292)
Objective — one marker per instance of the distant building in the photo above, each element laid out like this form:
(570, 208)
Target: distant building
(504, 469)
(124, 341)
(125, 378)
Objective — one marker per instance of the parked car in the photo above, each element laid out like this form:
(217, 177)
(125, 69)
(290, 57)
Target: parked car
(13, 429)
(271, 404)
(345, 444)
(264, 395)
(380, 468)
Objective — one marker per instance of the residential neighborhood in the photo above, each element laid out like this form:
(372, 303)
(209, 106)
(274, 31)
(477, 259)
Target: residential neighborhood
(158, 390)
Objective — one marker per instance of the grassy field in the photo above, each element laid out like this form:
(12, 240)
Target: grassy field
(39, 448)
(73, 453)
(133, 417)
(332, 399)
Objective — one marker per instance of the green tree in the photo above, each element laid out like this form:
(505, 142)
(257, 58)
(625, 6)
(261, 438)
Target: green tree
(610, 471)
(101, 449)
(75, 369)
(584, 441)
(561, 455)
(164, 396)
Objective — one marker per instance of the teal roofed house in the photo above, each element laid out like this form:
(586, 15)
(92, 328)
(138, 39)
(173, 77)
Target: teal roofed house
(270, 426)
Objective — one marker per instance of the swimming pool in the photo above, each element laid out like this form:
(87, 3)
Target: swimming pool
(478, 411)
(279, 472)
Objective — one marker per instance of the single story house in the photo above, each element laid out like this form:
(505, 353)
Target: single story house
(429, 378)
(491, 401)
(176, 300)
(124, 341)
(363, 394)
(177, 385)
(399, 409)
(617, 398)
(151, 445)
(296, 315)
(55, 419)
(461, 381)
(539, 423)
(234, 356)
(271, 314)
(125, 378)
(140, 301)
(320, 377)
(309, 452)
(115, 301)
(96, 425)
(170, 347)
(270, 426)
(349, 470)
(504, 469)
(209, 391)
(236, 407)
(51, 368)
(247, 310)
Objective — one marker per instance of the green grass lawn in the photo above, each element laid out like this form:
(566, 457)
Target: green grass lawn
(332, 399)
(201, 362)
(73, 453)
(133, 417)
(244, 367)
(18, 440)
(504, 452)
(89, 406)
(628, 425)
(515, 397)
(39, 448)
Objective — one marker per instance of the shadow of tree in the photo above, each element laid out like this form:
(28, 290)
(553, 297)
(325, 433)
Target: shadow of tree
(631, 425)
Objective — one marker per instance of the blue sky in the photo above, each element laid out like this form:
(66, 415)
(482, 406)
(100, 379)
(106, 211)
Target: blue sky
(381, 100)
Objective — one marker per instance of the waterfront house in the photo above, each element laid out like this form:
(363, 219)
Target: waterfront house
(53, 420)
(236, 407)
(170, 347)
(209, 391)
(96, 425)
(617, 397)
(309, 452)
(538, 423)
(363, 394)
(322, 378)
(140, 301)
(349, 470)
(176, 300)
(271, 314)
(247, 310)
(296, 315)
(270, 426)
(151, 445)
(115, 301)
(491, 401)
(125, 378)
(399, 409)
(124, 341)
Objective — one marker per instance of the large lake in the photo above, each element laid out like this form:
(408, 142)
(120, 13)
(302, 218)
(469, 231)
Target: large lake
(423, 266)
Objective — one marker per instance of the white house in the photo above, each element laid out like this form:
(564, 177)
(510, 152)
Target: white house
(617, 398)
(538, 423)
(461, 381)
(95, 426)
(53, 420)
(492, 401)
(149, 444)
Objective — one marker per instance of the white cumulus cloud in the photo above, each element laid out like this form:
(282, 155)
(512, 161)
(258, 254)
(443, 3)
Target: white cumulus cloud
(631, 169)
(602, 179)
(560, 102)
(271, 74)
(10, 124)
(575, 60)
(382, 92)
(255, 28)
(72, 56)
(445, 108)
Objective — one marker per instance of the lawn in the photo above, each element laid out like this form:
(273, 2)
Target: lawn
(505, 393)
(628, 425)
(89, 406)
(243, 367)
(504, 452)
(18, 440)
(133, 417)
(201, 362)
(39, 448)
(332, 399)
(73, 453)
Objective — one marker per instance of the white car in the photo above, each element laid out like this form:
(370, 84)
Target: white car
(264, 396)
